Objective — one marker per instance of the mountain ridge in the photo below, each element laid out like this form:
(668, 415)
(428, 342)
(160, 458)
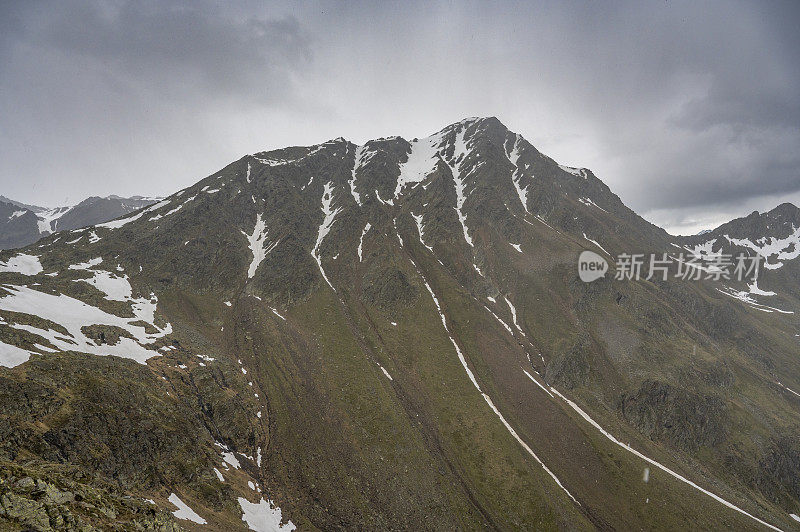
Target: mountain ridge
(18, 228)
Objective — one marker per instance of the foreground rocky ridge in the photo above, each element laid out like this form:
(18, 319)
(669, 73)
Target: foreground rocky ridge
(394, 336)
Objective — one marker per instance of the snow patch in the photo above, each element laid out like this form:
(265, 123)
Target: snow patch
(184, 512)
(229, 458)
(460, 153)
(389, 202)
(114, 287)
(171, 211)
(589, 203)
(577, 172)
(47, 221)
(745, 297)
(73, 314)
(263, 516)
(421, 161)
(22, 263)
(11, 355)
(780, 249)
(537, 382)
(257, 242)
(504, 324)
(116, 224)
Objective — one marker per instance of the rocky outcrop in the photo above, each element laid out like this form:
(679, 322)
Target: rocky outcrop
(684, 419)
(42, 500)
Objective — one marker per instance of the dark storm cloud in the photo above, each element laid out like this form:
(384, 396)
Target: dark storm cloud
(689, 110)
(184, 46)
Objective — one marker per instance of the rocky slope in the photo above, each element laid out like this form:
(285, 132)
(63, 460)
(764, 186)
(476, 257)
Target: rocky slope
(21, 224)
(393, 336)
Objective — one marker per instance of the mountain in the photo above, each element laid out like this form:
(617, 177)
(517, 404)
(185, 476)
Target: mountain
(392, 336)
(22, 224)
(775, 237)
(21, 205)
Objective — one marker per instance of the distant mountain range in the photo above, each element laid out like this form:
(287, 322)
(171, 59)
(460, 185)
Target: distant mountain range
(395, 336)
(22, 224)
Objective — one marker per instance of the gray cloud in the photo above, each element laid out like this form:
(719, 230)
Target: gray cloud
(688, 110)
(122, 98)
(185, 48)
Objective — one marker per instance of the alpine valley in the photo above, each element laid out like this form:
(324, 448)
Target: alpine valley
(394, 337)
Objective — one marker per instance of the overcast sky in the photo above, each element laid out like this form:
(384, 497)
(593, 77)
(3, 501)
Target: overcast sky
(690, 111)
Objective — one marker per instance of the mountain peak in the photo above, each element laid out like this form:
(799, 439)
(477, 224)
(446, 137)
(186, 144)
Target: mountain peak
(417, 302)
(785, 210)
(485, 124)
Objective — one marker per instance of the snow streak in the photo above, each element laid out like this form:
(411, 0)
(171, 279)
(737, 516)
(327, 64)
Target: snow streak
(361, 242)
(514, 315)
(486, 398)
(513, 156)
(459, 154)
(421, 229)
(664, 468)
(324, 229)
(361, 157)
(257, 242)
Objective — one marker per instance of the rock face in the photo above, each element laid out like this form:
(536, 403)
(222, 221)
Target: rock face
(29, 502)
(394, 335)
(683, 419)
